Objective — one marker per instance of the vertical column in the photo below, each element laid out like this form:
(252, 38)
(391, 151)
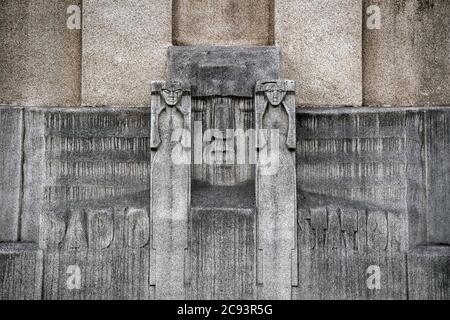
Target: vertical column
(170, 187)
(10, 173)
(276, 188)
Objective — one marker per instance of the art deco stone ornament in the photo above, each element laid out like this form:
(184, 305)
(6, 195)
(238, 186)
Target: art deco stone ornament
(276, 270)
(170, 181)
(172, 94)
(275, 93)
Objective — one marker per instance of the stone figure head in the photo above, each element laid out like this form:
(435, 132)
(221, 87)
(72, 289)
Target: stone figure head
(274, 93)
(172, 92)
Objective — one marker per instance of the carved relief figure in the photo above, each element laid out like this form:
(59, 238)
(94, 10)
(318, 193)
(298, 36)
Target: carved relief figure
(174, 95)
(275, 93)
(276, 203)
(170, 187)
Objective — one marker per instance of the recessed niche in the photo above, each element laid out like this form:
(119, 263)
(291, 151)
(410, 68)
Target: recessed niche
(223, 22)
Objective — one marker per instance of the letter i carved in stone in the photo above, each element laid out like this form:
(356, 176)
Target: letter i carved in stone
(276, 188)
(170, 187)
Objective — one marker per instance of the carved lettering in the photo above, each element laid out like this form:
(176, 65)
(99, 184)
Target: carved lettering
(377, 230)
(138, 228)
(333, 228)
(100, 229)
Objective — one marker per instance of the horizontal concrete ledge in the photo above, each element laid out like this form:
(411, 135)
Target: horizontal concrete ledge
(300, 109)
(443, 250)
(353, 110)
(17, 247)
(85, 109)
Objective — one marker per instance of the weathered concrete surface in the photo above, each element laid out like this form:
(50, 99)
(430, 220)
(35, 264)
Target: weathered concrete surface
(372, 184)
(210, 162)
(222, 242)
(429, 273)
(338, 246)
(124, 48)
(406, 61)
(275, 193)
(222, 253)
(352, 190)
(437, 126)
(33, 174)
(223, 22)
(170, 187)
(11, 126)
(40, 57)
(95, 202)
(223, 70)
(20, 272)
(320, 41)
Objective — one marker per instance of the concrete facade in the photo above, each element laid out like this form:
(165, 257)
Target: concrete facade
(223, 22)
(124, 48)
(326, 46)
(321, 49)
(40, 58)
(222, 180)
(406, 60)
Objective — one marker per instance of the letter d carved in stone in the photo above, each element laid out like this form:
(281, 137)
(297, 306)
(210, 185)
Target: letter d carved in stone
(170, 187)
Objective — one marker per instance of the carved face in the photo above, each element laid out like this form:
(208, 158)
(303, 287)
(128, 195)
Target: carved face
(172, 93)
(275, 94)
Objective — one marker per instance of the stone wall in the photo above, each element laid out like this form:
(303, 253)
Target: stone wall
(124, 48)
(330, 48)
(40, 58)
(407, 61)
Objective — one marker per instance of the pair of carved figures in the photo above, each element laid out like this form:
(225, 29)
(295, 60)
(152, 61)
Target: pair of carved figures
(174, 94)
(171, 184)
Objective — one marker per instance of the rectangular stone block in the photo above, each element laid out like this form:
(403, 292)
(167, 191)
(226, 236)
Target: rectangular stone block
(223, 22)
(223, 70)
(429, 273)
(124, 49)
(93, 196)
(406, 52)
(352, 181)
(94, 159)
(11, 126)
(437, 125)
(170, 185)
(33, 173)
(321, 47)
(347, 253)
(109, 274)
(276, 196)
(20, 272)
(222, 253)
(40, 57)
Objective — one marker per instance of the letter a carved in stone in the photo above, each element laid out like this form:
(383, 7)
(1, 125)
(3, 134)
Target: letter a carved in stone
(170, 187)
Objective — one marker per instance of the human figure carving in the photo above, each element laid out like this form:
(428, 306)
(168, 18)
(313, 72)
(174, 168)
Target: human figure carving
(275, 93)
(174, 94)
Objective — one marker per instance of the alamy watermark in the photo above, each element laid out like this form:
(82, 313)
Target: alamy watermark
(232, 147)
